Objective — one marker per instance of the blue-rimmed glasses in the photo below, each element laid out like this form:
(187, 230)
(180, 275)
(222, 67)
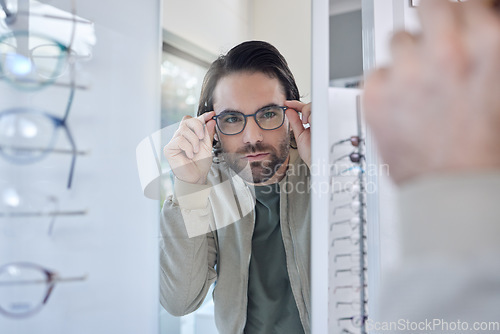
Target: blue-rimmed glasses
(26, 287)
(28, 135)
(234, 122)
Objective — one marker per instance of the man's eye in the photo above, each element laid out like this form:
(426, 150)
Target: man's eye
(232, 119)
(269, 114)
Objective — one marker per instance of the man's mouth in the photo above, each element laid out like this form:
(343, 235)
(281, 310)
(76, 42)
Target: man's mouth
(255, 156)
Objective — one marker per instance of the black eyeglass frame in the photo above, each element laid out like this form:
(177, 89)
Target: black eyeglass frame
(254, 115)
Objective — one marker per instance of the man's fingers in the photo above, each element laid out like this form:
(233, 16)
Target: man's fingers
(439, 18)
(195, 124)
(209, 132)
(303, 108)
(404, 46)
(206, 117)
(442, 29)
(295, 122)
(294, 104)
(375, 90)
(480, 19)
(191, 137)
(185, 146)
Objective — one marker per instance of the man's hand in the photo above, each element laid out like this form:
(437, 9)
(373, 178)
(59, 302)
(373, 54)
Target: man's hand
(189, 153)
(437, 109)
(302, 134)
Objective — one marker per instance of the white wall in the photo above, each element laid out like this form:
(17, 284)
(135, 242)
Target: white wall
(287, 25)
(344, 6)
(218, 25)
(214, 25)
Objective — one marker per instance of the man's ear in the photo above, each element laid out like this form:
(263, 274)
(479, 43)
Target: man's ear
(293, 142)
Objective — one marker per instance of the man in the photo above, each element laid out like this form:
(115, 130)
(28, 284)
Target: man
(241, 222)
(435, 114)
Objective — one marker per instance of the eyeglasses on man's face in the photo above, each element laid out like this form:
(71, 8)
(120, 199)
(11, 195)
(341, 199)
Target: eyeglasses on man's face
(234, 122)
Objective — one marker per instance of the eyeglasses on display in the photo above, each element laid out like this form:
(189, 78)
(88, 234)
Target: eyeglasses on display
(10, 11)
(23, 208)
(26, 287)
(28, 135)
(32, 61)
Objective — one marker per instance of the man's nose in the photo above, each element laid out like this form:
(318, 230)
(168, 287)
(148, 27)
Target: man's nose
(252, 132)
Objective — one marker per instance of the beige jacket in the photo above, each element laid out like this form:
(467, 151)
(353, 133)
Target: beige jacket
(206, 237)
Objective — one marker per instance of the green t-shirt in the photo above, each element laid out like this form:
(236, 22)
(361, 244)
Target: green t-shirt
(271, 306)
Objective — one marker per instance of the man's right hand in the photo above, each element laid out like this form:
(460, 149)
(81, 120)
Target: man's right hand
(189, 153)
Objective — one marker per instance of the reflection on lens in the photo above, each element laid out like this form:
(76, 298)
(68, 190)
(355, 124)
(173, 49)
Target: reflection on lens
(22, 289)
(26, 135)
(11, 198)
(17, 65)
(11, 6)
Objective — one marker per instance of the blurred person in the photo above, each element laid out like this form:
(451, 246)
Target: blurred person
(435, 115)
(240, 213)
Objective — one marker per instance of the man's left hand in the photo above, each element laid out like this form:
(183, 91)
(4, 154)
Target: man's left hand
(302, 134)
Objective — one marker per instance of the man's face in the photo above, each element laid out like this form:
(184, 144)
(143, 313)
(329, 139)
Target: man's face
(255, 154)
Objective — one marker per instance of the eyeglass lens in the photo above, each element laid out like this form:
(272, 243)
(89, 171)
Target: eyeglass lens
(22, 290)
(30, 60)
(26, 135)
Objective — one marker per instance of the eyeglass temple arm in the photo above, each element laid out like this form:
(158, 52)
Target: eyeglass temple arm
(4, 7)
(68, 134)
(73, 158)
(56, 17)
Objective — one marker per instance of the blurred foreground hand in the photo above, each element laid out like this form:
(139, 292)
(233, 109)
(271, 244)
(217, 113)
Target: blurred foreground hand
(437, 108)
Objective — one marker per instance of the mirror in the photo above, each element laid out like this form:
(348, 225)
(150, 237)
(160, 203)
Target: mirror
(194, 34)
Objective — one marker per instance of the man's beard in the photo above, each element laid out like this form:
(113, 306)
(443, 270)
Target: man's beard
(258, 171)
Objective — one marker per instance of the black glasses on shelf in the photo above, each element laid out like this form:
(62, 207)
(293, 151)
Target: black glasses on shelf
(26, 287)
(356, 321)
(353, 140)
(355, 304)
(356, 271)
(16, 207)
(353, 223)
(234, 122)
(355, 156)
(349, 188)
(353, 240)
(353, 256)
(355, 205)
(353, 287)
